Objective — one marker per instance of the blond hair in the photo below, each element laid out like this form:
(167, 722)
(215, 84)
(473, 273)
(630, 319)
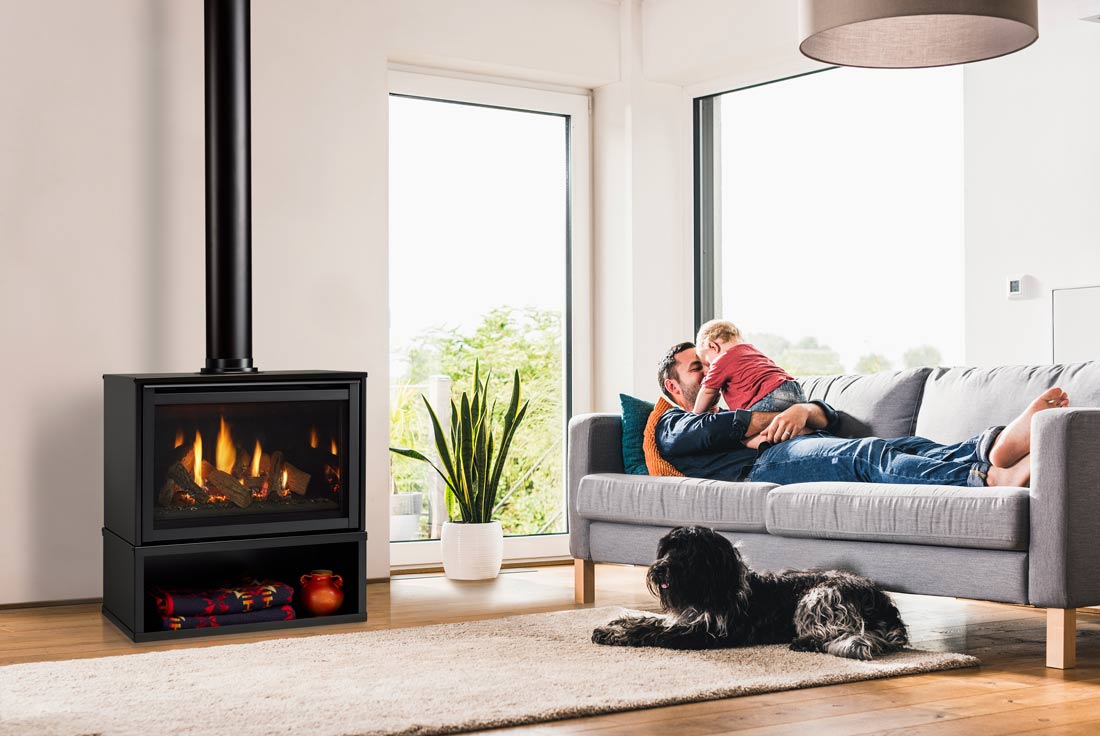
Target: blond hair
(718, 330)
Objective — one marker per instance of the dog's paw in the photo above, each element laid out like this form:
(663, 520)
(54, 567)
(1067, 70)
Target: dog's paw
(851, 647)
(805, 644)
(863, 652)
(609, 635)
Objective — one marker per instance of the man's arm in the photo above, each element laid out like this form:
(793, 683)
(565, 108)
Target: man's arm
(682, 433)
(790, 423)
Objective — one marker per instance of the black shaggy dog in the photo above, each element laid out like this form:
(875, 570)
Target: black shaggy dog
(711, 599)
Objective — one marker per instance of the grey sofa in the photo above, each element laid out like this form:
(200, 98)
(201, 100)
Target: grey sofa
(1037, 545)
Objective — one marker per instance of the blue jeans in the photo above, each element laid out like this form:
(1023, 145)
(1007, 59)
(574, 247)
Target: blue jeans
(915, 460)
(783, 397)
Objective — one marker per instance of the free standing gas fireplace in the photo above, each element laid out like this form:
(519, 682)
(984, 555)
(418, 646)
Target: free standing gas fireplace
(200, 469)
(223, 489)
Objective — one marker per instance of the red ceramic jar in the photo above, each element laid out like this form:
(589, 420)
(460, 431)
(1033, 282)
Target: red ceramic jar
(321, 592)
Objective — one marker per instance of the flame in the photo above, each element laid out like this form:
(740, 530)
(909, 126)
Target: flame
(225, 453)
(179, 438)
(284, 479)
(333, 448)
(187, 498)
(198, 459)
(216, 498)
(256, 460)
(313, 436)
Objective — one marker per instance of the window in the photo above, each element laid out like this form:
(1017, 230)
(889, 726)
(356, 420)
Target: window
(487, 219)
(829, 218)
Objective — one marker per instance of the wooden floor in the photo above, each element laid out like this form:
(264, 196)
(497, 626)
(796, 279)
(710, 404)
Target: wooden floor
(1011, 693)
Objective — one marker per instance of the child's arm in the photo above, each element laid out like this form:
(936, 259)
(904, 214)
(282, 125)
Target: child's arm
(706, 400)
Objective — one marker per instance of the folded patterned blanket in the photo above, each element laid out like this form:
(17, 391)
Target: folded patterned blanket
(251, 595)
(282, 613)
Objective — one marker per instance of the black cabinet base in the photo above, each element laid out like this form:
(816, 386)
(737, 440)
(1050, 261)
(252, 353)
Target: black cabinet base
(131, 573)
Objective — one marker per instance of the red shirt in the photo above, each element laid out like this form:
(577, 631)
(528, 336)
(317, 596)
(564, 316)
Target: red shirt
(744, 375)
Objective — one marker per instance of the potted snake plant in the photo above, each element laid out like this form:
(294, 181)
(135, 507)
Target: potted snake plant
(471, 462)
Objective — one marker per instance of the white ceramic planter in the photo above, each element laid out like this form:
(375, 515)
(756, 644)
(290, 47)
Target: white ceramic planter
(472, 551)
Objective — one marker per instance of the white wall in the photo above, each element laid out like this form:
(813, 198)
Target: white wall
(76, 215)
(642, 282)
(101, 218)
(570, 42)
(712, 46)
(1032, 184)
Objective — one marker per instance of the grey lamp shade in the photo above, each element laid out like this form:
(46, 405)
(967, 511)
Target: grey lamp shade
(895, 34)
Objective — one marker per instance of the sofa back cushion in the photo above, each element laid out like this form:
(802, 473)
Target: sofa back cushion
(961, 402)
(878, 405)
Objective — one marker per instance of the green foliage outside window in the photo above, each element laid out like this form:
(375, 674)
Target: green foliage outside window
(922, 356)
(508, 339)
(808, 357)
(873, 363)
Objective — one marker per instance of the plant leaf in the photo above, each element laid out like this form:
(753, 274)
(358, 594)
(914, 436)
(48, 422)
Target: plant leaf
(513, 403)
(484, 432)
(454, 424)
(419, 456)
(505, 444)
(440, 442)
(466, 451)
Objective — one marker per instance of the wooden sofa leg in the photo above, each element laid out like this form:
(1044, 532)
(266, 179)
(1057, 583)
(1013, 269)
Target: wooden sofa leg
(1062, 638)
(584, 581)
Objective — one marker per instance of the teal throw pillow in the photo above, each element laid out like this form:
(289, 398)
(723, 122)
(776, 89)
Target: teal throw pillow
(635, 415)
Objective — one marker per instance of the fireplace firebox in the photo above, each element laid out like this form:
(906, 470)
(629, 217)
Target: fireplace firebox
(232, 455)
(224, 489)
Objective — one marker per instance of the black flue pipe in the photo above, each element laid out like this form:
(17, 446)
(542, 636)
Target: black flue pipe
(228, 188)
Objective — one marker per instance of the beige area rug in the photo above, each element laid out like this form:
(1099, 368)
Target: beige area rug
(425, 680)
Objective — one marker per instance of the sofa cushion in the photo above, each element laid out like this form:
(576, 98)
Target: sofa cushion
(960, 402)
(631, 499)
(635, 414)
(948, 516)
(878, 405)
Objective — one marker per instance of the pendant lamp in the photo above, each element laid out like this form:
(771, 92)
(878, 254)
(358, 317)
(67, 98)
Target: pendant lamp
(897, 34)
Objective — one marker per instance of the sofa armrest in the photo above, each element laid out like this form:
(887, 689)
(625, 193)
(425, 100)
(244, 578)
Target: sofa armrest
(595, 446)
(1063, 554)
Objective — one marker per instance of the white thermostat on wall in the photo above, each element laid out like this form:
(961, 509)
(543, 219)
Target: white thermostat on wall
(1019, 287)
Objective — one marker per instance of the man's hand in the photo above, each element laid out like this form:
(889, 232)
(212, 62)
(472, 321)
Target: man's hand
(789, 423)
(768, 426)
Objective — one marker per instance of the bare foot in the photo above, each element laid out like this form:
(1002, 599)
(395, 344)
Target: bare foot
(1017, 476)
(1015, 441)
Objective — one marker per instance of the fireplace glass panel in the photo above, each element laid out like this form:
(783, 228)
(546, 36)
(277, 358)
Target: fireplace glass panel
(215, 463)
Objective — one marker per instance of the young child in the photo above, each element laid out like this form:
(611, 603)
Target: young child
(741, 374)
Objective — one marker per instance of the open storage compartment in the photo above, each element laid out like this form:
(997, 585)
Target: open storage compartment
(204, 565)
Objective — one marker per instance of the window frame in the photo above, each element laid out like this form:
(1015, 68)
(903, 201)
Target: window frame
(703, 153)
(706, 190)
(575, 106)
